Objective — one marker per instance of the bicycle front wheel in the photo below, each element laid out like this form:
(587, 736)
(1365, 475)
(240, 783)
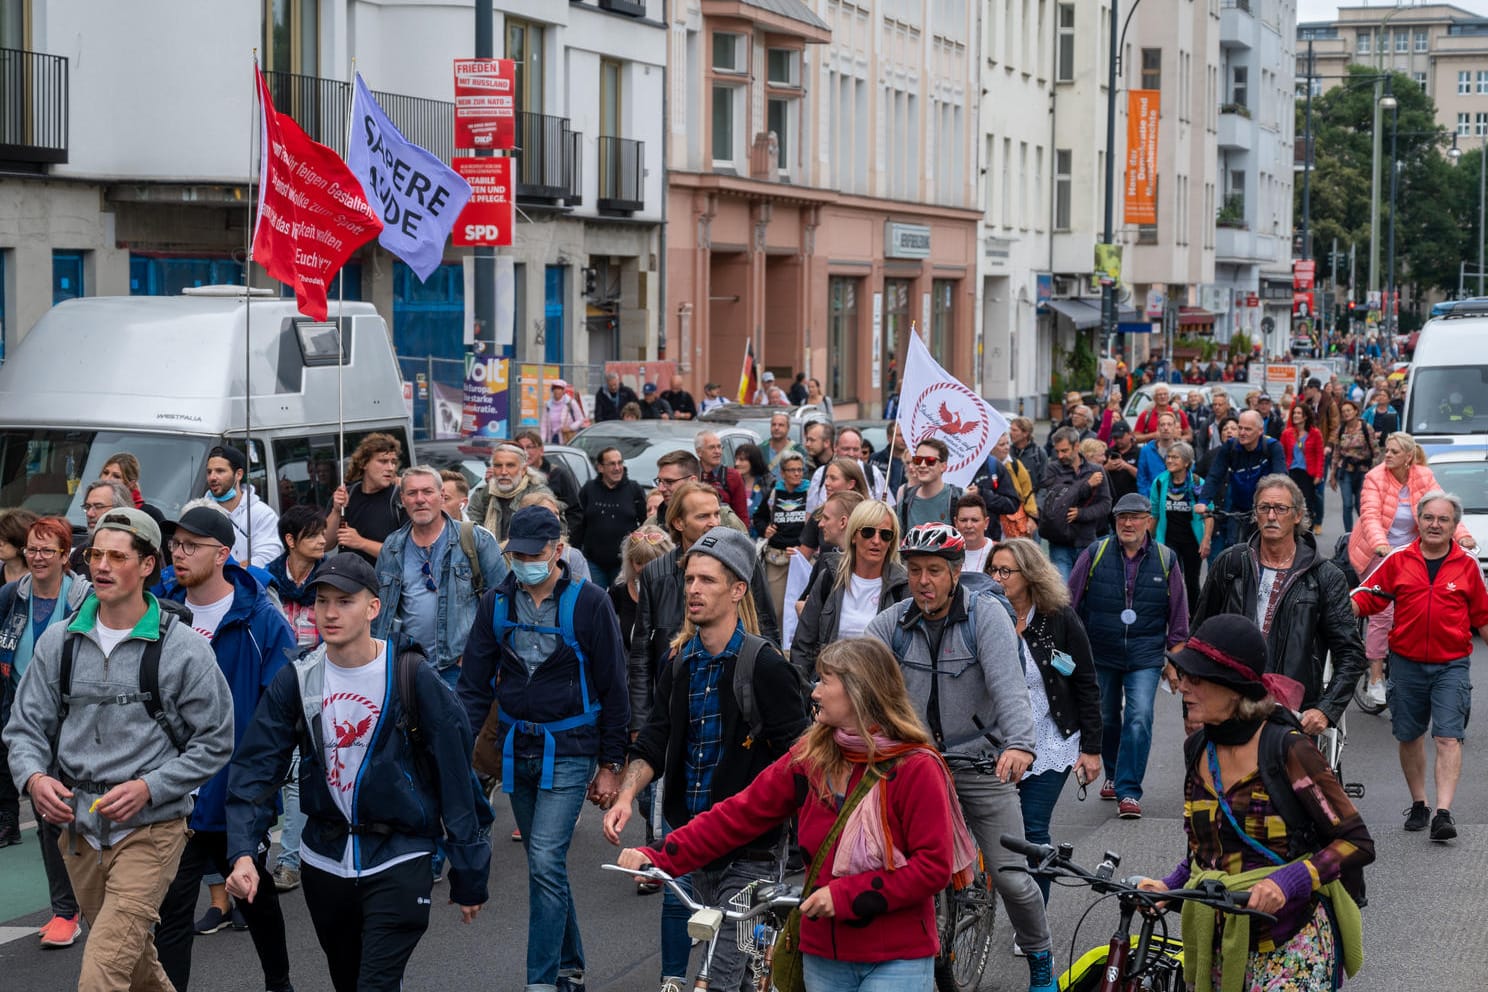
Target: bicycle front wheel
(965, 920)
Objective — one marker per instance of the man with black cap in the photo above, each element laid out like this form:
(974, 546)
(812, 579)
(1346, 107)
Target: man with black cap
(1122, 455)
(1129, 592)
(252, 642)
(384, 775)
(546, 648)
(257, 539)
(653, 407)
(706, 740)
(713, 398)
(118, 768)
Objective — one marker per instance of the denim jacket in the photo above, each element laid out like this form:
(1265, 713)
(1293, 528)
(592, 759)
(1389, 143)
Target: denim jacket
(457, 599)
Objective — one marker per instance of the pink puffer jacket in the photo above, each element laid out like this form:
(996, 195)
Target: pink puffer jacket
(1377, 503)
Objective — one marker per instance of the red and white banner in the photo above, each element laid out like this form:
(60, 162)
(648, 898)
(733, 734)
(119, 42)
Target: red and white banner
(489, 215)
(312, 214)
(485, 104)
(933, 403)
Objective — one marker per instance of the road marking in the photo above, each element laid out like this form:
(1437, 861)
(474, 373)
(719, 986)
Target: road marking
(8, 934)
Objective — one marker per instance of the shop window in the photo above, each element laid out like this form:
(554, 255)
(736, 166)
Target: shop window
(842, 339)
(67, 275)
(942, 320)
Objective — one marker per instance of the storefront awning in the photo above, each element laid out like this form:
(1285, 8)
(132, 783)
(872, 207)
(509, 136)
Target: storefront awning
(1086, 313)
(1195, 317)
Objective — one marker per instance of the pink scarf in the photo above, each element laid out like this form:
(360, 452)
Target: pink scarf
(867, 842)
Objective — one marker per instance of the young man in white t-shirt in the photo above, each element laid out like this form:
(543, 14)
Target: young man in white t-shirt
(380, 784)
(971, 521)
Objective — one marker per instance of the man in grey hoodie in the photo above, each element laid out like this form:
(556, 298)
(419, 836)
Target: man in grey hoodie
(94, 760)
(959, 653)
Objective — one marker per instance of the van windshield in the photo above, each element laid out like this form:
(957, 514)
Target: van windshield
(44, 470)
(1449, 399)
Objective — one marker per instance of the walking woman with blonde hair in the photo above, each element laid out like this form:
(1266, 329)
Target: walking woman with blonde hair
(878, 818)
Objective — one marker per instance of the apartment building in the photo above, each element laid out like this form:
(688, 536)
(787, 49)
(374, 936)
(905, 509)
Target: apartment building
(822, 189)
(1444, 48)
(1251, 292)
(121, 174)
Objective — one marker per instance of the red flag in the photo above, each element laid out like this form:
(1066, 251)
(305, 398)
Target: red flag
(311, 211)
(748, 376)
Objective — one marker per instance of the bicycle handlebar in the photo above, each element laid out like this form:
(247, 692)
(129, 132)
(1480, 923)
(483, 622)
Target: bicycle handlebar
(1045, 860)
(771, 897)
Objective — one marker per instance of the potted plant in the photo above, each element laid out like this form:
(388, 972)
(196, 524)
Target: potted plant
(1231, 212)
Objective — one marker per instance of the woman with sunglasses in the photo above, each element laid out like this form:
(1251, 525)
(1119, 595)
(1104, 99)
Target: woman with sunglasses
(869, 580)
(1061, 682)
(41, 599)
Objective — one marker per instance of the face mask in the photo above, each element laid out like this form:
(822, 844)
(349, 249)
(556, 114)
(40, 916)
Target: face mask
(531, 573)
(226, 496)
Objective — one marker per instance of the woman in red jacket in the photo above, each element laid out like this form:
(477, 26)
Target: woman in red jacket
(869, 922)
(1302, 447)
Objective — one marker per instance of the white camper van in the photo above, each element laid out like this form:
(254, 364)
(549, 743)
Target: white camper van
(165, 379)
(1446, 402)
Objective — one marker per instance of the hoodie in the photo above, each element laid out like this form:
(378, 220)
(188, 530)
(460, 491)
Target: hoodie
(113, 743)
(253, 516)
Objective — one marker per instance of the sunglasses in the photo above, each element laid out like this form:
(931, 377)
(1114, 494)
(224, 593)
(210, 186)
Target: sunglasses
(884, 534)
(96, 556)
(925, 460)
(428, 574)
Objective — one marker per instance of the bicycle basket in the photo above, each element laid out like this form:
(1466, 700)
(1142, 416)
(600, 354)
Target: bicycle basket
(755, 936)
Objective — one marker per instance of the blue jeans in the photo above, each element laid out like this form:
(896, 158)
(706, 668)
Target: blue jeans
(1063, 556)
(1350, 487)
(1037, 794)
(903, 975)
(294, 820)
(546, 819)
(715, 887)
(1126, 737)
(601, 576)
(676, 945)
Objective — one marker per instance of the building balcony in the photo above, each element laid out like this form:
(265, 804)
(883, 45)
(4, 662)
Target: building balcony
(33, 110)
(622, 175)
(1235, 244)
(1236, 23)
(549, 165)
(1236, 130)
(321, 107)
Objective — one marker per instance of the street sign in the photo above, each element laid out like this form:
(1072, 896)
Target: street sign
(488, 218)
(1304, 273)
(485, 104)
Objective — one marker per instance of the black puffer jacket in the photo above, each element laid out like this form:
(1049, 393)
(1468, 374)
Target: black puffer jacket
(1312, 620)
(659, 616)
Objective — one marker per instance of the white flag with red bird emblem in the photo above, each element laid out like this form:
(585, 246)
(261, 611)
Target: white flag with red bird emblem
(933, 403)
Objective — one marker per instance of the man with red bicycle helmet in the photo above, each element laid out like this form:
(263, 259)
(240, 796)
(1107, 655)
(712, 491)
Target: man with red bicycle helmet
(958, 651)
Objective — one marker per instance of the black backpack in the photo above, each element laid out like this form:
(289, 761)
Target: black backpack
(743, 683)
(1303, 835)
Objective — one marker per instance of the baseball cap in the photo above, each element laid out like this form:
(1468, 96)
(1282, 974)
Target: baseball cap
(232, 455)
(132, 521)
(1120, 429)
(1132, 503)
(732, 547)
(712, 385)
(207, 522)
(533, 528)
(347, 571)
(767, 377)
(557, 384)
(649, 388)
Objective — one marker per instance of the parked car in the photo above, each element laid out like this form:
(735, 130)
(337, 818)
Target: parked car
(875, 432)
(471, 455)
(1141, 397)
(643, 442)
(1464, 470)
(757, 418)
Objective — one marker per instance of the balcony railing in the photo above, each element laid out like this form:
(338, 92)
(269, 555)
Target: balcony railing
(622, 167)
(33, 108)
(547, 159)
(1236, 4)
(321, 106)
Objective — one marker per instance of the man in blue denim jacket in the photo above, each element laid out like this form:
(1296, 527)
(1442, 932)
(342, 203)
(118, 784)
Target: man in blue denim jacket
(425, 578)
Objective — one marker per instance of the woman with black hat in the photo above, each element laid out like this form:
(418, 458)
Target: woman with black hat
(1263, 813)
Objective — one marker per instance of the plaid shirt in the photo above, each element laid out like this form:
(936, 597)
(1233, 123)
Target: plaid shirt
(705, 717)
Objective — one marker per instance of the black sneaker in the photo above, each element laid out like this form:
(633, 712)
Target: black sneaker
(1417, 815)
(10, 829)
(1442, 827)
(211, 921)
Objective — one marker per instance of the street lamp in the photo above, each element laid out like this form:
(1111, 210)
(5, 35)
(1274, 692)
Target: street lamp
(1456, 155)
(1388, 102)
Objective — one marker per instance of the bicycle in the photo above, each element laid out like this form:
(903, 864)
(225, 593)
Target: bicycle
(965, 918)
(1154, 963)
(758, 912)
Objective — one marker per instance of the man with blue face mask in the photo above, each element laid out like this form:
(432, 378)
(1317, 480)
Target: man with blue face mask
(546, 648)
(256, 525)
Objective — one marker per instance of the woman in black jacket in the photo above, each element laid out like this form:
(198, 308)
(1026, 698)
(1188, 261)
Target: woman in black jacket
(1061, 682)
(611, 506)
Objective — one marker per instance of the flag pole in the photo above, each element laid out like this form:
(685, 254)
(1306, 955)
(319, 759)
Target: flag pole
(248, 323)
(341, 307)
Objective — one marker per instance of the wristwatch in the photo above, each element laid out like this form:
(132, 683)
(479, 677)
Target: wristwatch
(613, 766)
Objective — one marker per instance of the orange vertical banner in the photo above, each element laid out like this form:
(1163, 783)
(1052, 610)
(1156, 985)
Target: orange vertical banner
(1141, 156)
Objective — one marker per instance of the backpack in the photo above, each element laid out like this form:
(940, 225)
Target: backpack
(467, 545)
(149, 682)
(1303, 835)
(405, 675)
(743, 683)
(1165, 558)
(911, 494)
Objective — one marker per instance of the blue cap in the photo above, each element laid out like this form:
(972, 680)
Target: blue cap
(649, 388)
(533, 528)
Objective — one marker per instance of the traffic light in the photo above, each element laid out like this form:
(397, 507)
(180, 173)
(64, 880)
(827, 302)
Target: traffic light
(591, 282)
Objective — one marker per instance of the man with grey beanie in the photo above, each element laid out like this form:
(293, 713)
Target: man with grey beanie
(727, 704)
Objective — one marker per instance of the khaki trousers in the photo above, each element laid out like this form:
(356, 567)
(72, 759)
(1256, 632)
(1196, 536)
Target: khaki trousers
(119, 891)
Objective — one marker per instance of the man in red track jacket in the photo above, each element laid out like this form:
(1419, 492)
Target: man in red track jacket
(1439, 598)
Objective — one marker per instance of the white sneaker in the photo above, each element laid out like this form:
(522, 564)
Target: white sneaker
(1018, 952)
(673, 984)
(1376, 693)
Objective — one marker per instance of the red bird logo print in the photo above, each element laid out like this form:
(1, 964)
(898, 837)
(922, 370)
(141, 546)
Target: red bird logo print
(951, 423)
(347, 733)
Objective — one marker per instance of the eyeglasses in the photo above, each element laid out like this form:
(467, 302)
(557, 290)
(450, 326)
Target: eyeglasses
(649, 536)
(669, 482)
(97, 556)
(97, 507)
(1002, 571)
(188, 548)
(428, 574)
(884, 534)
(925, 460)
(1273, 509)
(41, 554)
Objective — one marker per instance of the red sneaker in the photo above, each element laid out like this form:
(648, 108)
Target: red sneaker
(61, 932)
(1108, 791)
(1129, 809)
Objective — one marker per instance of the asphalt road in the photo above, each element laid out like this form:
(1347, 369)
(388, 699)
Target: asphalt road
(1426, 925)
